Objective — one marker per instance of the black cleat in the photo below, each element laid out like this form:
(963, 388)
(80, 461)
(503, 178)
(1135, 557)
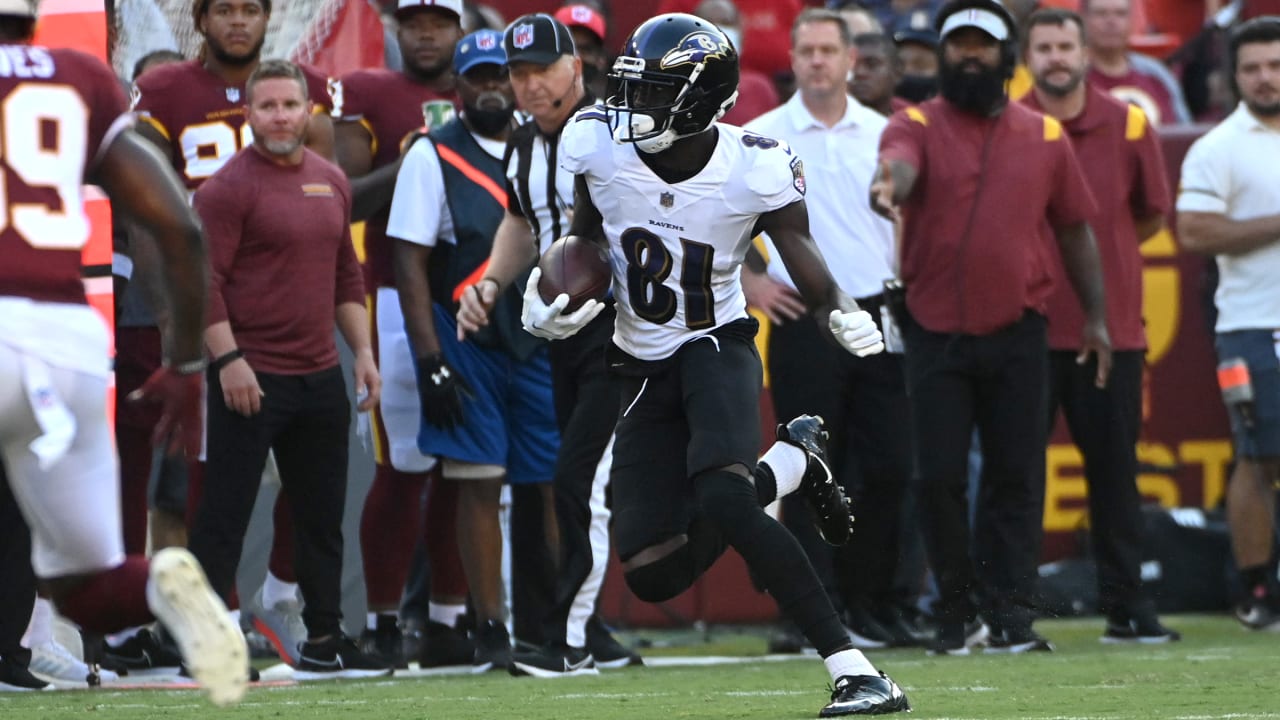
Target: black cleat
(956, 639)
(493, 648)
(1260, 613)
(1144, 629)
(445, 646)
(143, 654)
(605, 648)
(553, 661)
(865, 695)
(337, 657)
(15, 676)
(1017, 643)
(386, 642)
(818, 487)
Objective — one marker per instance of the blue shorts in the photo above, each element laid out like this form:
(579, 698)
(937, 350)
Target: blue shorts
(1258, 349)
(511, 419)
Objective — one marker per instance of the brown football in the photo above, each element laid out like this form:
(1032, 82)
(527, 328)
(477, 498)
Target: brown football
(576, 267)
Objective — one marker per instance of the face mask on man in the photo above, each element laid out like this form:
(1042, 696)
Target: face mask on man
(917, 88)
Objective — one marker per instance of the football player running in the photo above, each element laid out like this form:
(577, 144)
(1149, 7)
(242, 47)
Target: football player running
(64, 122)
(677, 197)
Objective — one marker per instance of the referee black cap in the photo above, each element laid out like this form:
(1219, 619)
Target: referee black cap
(537, 38)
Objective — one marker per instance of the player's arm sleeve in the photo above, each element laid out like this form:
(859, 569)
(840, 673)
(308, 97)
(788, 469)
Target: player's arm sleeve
(1150, 194)
(1071, 202)
(418, 201)
(223, 218)
(582, 141)
(349, 285)
(1205, 186)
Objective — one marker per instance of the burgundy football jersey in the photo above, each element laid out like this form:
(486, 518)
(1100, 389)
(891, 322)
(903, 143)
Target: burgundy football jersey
(59, 109)
(202, 116)
(391, 107)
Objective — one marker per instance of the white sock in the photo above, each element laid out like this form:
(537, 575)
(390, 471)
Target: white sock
(275, 591)
(848, 662)
(445, 614)
(788, 464)
(40, 629)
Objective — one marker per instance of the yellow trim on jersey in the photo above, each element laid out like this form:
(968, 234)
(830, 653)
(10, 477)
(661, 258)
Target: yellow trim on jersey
(318, 109)
(1052, 129)
(159, 126)
(1135, 125)
(1021, 82)
(914, 113)
(373, 136)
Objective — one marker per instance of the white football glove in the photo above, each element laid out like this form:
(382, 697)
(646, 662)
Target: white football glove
(547, 321)
(856, 332)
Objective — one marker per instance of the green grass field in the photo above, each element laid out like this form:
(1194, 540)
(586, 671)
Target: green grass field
(1217, 671)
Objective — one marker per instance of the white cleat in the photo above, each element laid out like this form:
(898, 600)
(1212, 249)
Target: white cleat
(55, 664)
(210, 641)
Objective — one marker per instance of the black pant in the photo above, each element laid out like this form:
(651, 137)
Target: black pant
(17, 579)
(305, 420)
(998, 382)
(864, 404)
(586, 397)
(1104, 424)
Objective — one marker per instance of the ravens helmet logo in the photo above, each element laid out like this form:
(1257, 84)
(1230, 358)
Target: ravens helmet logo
(695, 48)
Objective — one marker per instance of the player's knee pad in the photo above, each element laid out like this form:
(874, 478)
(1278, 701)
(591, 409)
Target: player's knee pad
(663, 579)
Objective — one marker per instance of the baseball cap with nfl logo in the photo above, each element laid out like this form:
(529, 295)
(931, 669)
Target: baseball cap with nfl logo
(404, 7)
(537, 38)
(479, 48)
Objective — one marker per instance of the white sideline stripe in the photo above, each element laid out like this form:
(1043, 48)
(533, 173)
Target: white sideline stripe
(701, 660)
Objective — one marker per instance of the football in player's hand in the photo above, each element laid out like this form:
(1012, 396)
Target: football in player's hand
(576, 267)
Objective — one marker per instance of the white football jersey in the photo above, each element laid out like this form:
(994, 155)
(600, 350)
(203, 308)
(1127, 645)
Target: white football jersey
(677, 250)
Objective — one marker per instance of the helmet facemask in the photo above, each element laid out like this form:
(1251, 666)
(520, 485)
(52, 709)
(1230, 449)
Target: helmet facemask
(653, 109)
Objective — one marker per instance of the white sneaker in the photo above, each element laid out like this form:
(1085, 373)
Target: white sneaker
(211, 643)
(281, 624)
(55, 664)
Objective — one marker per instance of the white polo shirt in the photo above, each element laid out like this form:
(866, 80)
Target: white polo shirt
(1234, 170)
(839, 164)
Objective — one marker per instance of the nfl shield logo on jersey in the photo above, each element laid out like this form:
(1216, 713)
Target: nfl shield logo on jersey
(523, 36)
(667, 199)
(233, 94)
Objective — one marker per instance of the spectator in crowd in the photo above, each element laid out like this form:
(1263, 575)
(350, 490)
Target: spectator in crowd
(917, 44)
(1227, 207)
(375, 110)
(547, 81)
(756, 92)
(892, 13)
(764, 25)
(487, 409)
(1122, 162)
(589, 32)
(862, 399)
(175, 103)
(277, 209)
(860, 20)
(60, 470)
(1129, 76)
(687, 480)
(876, 73)
(976, 181)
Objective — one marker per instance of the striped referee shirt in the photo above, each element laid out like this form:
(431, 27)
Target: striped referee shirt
(538, 189)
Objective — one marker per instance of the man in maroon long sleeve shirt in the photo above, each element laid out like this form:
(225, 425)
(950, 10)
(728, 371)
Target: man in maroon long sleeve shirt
(283, 273)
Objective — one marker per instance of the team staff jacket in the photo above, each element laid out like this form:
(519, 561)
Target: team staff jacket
(1121, 159)
(391, 107)
(974, 253)
(281, 258)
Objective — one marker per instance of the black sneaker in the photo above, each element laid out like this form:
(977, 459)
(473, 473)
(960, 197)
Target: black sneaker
(143, 654)
(958, 639)
(493, 648)
(902, 632)
(605, 648)
(1261, 613)
(865, 695)
(385, 643)
(1017, 643)
(1144, 629)
(553, 661)
(337, 657)
(830, 507)
(16, 677)
(864, 632)
(444, 646)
